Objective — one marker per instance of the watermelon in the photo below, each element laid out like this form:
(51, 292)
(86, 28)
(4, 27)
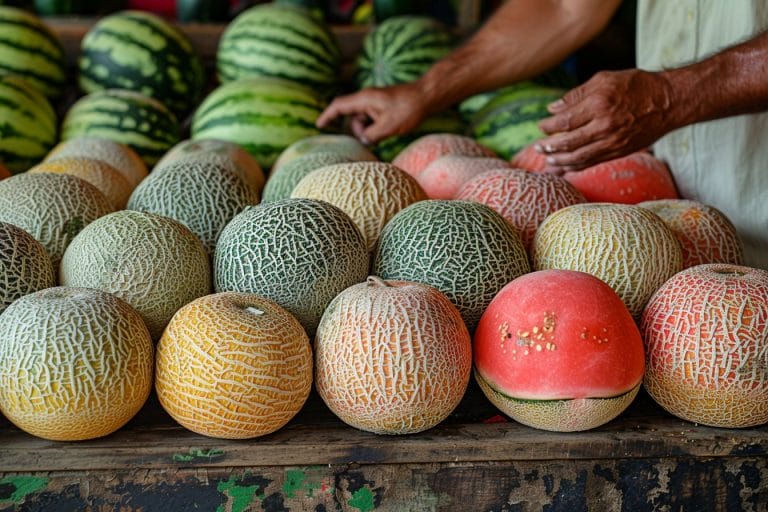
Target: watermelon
(128, 117)
(28, 48)
(27, 124)
(142, 52)
(280, 41)
(263, 115)
(401, 49)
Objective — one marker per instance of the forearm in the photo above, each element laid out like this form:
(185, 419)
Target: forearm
(522, 39)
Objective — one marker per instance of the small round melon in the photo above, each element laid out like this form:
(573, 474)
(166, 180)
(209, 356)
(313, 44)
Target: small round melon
(53, 208)
(392, 357)
(201, 193)
(558, 350)
(234, 366)
(154, 263)
(369, 192)
(627, 246)
(706, 345)
(444, 176)
(299, 253)
(25, 266)
(706, 235)
(464, 249)
(75, 363)
(98, 173)
(283, 179)
(327, 142)
(529, 159)
(119, 156)
(417, 155)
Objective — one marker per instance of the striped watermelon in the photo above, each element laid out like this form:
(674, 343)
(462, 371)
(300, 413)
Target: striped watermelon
(401, 49)
(27, 124)
(142, 52)
(510, 120)
(28, 48)
(279, 41)
(131, 118)
(263, 115)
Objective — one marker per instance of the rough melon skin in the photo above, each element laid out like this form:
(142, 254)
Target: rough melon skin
(706, 337)
(234, 366)
(392, 357)
(283, 179)
(53, 208)
(154, 263)
(327, 142)
(25, 266)
(421, 152)
(371, 193)
(300, 253)
(201, 193)
(464, 249)
(627, 246)
(75, 363)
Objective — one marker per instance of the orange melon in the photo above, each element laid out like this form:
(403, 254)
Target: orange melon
(417, 155)
(120, 156)
(392, 357)
(443, 177)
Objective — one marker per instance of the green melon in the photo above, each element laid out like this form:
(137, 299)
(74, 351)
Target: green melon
(262, 115)
(464, 249)
(127, 117)
(203, 193)
(299, 253)
(25, 266)
(154, 263)
(331, 142)
(283, 179)
(27, 124)
(53, 208)
(29, 49)
(142, 52)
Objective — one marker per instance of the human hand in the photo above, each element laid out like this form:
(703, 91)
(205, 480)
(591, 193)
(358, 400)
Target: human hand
(377, 113)
(609, 116)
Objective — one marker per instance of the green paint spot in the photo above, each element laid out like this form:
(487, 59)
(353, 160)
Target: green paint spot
(24, 485)
(362, 499)
(197, 453)
(241, 495)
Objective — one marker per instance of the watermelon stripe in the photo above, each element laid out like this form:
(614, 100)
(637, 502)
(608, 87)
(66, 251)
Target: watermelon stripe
(35, 28)
(285, 38)
(32, 107)
(46, 74)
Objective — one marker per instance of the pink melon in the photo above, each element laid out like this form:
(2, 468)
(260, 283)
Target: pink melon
(524, 198)
(558, 350)
(706, 337)
(705, 234)
(529, 159)
(443, 177)
(421, 152)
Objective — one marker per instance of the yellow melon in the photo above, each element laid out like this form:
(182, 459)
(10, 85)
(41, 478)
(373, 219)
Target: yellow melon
(120, 156)
(98, 173)
(75, 363)
(234, 366)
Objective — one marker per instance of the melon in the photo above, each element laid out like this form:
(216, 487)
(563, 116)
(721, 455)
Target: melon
(464, 249)
(706, 234)
(75, 363)
(233, 366)
(558, 350)
(53, 208)
(444, 176)
(119, 156)
(300, 253)
(627, 246)
(447, 122)
(371, 193)
(4, 172)
(154, 263)
(417, 155)
(25, 266)
(524, 198)
(530, 159)
(98, 173)
(225, 152)
(392, 357)
(341, 144)
(706, 339)
(283, 179)
(201, 193)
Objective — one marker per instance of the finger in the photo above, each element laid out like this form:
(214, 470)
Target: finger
(343, 105)
(358, 124)
(583, 157)
(568, 141)
(567, 120)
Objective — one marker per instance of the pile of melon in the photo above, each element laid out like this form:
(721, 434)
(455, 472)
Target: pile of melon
(220, 251)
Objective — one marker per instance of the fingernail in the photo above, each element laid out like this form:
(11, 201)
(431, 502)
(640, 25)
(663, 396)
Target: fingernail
(550, 160)
(364, 140)
(557, 103)
(539, 148)
(549, 148)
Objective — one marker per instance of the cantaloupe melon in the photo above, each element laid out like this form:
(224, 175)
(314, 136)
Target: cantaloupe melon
(627, 246)
(154, 263)
(25, 266)
(464, 249)
(422, 151)
(300, 253)
(328, 142)
(75, 363)
(233, 365)
(282, 180)
(53, 208)
(444, 176)
(392, 357)
(369, 192)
